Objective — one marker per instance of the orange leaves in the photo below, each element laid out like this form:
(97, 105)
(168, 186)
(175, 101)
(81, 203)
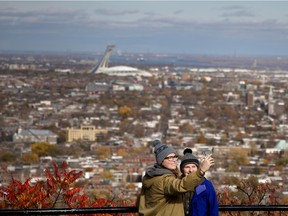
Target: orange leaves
(125, 111)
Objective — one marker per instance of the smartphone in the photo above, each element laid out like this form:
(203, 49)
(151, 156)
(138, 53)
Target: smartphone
(208, 152)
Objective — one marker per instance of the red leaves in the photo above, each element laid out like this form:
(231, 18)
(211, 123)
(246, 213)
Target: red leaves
(58, 190)
(249, 192)
(18, 195)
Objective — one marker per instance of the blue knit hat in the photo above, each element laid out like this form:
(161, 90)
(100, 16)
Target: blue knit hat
(161, 151)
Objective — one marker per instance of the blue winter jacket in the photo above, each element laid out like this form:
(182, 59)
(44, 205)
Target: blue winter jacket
(204, 201)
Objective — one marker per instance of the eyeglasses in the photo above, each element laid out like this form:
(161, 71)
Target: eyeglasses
(170, 158)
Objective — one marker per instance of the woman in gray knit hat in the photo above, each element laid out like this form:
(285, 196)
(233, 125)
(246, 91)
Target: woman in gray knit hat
(162, 189)
(203, 200)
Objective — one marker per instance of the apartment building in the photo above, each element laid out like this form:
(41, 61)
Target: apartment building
(85, 132)
(33, 135)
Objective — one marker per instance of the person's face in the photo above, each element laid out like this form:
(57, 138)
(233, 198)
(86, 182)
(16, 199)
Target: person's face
(170, 161)
(189, 168)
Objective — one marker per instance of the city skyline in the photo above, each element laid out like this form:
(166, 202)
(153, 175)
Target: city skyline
(182, 27)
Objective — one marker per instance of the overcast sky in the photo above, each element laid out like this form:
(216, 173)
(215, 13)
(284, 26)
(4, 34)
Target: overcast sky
(186, 27)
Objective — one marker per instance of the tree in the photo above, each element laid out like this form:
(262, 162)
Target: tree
(201, 139)
(62, 136)
(253, 148)
(32, 158)
(240, 155)
(125, 112)
(7, 156)
(249, 192)
(103, 152)
(57, 191)
(187, 128)
(107, 175)
(139, 131)
(44, 149)
(122, 152)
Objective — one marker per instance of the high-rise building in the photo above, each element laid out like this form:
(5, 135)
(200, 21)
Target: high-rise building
(250, 99)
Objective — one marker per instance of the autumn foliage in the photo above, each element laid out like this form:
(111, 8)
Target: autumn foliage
(249, 192)
(57, 191)
(125, 111)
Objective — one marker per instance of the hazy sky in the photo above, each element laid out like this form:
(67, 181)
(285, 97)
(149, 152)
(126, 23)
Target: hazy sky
(189, 27)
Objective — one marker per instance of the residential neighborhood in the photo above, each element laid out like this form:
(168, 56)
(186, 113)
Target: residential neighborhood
(51, 109)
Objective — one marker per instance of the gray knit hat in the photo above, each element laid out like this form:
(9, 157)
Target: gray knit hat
(188, 158)
(161, 151)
